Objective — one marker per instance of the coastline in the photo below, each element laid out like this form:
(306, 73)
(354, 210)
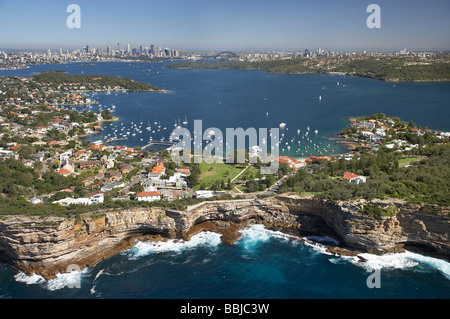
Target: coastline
(47, 246)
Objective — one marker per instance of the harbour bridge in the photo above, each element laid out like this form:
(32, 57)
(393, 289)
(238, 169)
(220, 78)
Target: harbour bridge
(226, 54)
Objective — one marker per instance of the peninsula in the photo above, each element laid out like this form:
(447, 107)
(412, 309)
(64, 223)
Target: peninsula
(84, 203)
(55, 79)
(386, 68)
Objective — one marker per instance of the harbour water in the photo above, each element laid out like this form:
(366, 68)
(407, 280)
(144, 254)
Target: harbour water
(254, 99)
(263, 263)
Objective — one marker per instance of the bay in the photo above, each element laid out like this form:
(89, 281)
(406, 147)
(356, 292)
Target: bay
(255, 99)
(262, 264)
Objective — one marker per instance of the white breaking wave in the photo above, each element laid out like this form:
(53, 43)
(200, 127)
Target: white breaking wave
(69, 280)
(29, 280)
(255, 234)
(442, 265)
(206, 238)
(405, 260)
(320, 248)
(324, 240)
(258, 233)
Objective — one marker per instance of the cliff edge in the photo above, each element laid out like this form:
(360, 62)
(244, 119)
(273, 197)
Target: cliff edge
(50, 245)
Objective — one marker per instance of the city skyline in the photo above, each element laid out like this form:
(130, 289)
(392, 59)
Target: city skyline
(227, 25)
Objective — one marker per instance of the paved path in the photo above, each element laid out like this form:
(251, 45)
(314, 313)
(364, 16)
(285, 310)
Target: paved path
(240, 173)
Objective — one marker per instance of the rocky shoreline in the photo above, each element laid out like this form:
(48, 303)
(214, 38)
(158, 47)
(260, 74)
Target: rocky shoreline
(48, 246)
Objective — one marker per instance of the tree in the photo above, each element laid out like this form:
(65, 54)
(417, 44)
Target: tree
(56, 164)
(136, 188)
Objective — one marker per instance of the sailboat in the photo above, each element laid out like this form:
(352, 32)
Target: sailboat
(185, 121)
(320, 98)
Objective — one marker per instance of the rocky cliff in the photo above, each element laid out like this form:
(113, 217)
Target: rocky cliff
(415, 226)
(50, 245)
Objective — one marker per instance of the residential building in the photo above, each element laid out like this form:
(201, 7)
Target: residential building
(148, 196)
(353, 178)
(204, 194)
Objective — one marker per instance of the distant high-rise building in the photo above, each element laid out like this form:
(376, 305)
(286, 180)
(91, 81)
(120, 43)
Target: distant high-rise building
(86, 48)
(128, 49)
(108, 50)
(152, 49)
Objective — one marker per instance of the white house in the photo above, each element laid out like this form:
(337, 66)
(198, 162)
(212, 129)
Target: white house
(109, 187)
(35, 201)
(354, 178)
(148, 196)
(72, 201)
(97, 198)
(204, 194)
(93, 200)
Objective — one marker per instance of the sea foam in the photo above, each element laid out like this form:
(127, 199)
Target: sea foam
(256, 234)
(205, 239)
(405, 260)
(69, 280)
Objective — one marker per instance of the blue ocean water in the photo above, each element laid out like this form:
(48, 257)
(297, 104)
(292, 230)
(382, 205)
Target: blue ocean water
(262, 264)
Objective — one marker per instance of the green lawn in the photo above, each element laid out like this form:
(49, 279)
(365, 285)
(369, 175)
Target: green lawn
(217, 171)
(407, 160)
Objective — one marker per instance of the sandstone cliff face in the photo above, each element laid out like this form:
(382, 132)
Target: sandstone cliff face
(50, 245)
(47, 246)
(378, 234)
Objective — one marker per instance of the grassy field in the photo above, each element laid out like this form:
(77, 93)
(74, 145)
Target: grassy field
(217, 172)
(405, 161)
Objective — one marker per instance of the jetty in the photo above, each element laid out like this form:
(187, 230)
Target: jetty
(110, 140)
(159, 143)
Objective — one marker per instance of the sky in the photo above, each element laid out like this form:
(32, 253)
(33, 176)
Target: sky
(234, 25)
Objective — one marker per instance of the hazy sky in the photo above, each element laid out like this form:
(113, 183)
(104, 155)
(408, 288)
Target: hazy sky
(227, 24)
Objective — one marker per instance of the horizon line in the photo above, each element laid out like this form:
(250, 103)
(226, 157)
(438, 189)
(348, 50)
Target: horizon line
(24, 49)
